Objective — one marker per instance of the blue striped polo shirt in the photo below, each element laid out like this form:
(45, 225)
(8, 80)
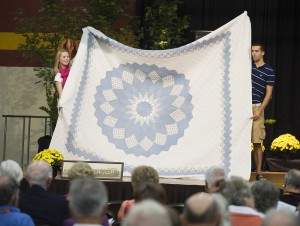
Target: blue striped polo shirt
(261, 77)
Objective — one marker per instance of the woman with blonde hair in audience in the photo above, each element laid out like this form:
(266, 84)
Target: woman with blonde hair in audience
(80, 170)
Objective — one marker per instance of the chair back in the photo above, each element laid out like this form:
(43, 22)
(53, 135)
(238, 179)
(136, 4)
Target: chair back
(177, 206)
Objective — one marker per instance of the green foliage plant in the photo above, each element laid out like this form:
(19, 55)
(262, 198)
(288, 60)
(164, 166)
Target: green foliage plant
(163, 27)
(58, 20)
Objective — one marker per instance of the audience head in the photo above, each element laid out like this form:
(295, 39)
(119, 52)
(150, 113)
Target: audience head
(174, 216)
(39, 173)
(223, 206)
(88, 198)
(279, 218)
(237, 192)
(147, 213)
(9, 191)
(213, 177)
(201, 209)
(143, 174)
(265, 194)
(292, 181)
(11, 168)
(151, 191)
(79, 170)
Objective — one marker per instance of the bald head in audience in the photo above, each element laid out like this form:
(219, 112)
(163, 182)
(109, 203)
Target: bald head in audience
(39, 173)
(201, 209)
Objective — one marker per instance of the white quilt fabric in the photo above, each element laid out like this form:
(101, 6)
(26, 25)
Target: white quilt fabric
(180, 110)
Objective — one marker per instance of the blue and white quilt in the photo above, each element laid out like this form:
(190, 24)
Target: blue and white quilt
(180, 110)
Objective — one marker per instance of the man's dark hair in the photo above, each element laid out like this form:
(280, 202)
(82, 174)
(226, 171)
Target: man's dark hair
(210, 215)
(8, 188)
(293, 178)
(262, 47)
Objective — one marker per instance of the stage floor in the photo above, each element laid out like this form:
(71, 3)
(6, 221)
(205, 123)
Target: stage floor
(179, 181)
(177, 189)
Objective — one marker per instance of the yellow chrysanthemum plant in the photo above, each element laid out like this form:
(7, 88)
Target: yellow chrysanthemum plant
(52, 156)
(286, 143)
(262, 147)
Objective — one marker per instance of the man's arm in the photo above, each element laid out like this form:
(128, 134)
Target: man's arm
(257, 114)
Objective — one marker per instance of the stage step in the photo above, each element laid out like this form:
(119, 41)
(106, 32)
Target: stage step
(277, 178)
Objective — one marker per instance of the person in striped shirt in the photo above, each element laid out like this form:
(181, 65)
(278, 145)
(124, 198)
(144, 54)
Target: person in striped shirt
(263, 79)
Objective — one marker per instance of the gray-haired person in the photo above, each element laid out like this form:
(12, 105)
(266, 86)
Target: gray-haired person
(291, 188)
(266, 195)
(9, 212)
(213, 177)
(241, 203)
(279, 218)
(11, 168)
(88, 201)
(224, 209)
(43, 206)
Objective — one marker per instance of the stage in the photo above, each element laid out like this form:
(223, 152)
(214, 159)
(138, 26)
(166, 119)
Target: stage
(178, 190)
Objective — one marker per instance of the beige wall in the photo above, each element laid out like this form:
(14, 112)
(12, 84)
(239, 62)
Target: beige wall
(19, 95)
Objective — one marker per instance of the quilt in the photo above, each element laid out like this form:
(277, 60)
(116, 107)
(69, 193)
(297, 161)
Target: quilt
(179, 110)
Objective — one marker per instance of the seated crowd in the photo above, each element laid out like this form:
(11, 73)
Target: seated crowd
(227, 200)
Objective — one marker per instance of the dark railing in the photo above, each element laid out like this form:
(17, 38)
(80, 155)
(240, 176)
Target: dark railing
(47, 129)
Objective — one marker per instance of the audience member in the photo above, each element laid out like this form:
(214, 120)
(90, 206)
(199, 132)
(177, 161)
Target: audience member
(174, 216)
(147, 213)
(265, 194)
(224, 209)
(201, 209)
(151, 191)
(139, 176)
(241, 203)
(279, 218)
(88, 201)
(11, 168)
(44, 207)
(157, 193)
(213, 177)
(81, 170)
(10, 215)
(291, 188)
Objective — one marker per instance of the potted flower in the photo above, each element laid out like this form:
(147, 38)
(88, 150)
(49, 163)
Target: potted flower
(286, 146)
(52, 156)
